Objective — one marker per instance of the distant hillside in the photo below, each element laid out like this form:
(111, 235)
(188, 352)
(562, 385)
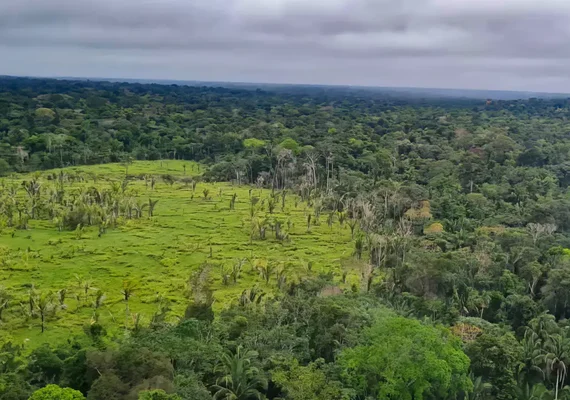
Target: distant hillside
(392, 91)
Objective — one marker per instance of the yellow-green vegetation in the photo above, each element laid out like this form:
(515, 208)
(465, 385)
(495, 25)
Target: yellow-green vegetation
(125, 264)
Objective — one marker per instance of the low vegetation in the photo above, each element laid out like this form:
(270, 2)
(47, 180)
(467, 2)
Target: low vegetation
(94, 244)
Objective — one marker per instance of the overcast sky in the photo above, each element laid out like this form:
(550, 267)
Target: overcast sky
(478, 44)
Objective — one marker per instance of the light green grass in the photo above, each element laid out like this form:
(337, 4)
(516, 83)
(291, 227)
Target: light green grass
(159, 253)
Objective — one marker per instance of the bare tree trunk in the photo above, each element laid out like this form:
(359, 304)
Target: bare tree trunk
(556, 386)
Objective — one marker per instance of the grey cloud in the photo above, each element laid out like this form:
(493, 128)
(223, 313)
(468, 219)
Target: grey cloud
(509, 44)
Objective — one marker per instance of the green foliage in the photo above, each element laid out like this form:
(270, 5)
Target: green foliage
(157, 395)
(14, 386)
(290, 144)
(190, 387)
(5, 168)
(108, 387)
(452, 211)
(44, 365)
(54, 392)
(557, 291)
(45, 113)
(497, 358)
(253, 143)
(239, 378)
(401, 358)
(306, 383)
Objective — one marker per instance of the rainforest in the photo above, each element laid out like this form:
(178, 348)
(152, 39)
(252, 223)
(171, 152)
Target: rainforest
(294, 242)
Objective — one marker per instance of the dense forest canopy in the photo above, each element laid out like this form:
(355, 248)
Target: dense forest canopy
(459, 217)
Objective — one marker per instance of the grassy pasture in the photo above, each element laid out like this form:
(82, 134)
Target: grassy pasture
(190, 227)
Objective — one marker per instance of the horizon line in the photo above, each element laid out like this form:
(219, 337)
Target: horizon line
(166, 81)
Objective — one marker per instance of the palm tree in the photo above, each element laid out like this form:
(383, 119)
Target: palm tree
(536, 392)
(252, 206)
(341, 217)
(352, 223)
(544, 326)
(128, 160)
(480, 389)
(251, 296)
(283, 197)
(225, 274)
(44, 305)
(533, 356)
(99, 299)
(281, 275)
(84, 285)
(87, 286)
(236, 269)
(32, 301)
(479, 302)
(556, 360)
(233, 201)
(139, 207)
(61, 295)
(358, 247)
(259, 225)
(265, 269)
(239, 379)
(128, 290)
(151, 205)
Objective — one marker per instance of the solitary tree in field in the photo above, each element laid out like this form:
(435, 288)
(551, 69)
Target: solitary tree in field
(61, 295)
(352, 223)
(271, 204)
(139, 207)
(84, 286)
(151, 205)
(32, 297)
(126, 162)
(225, 274)
(259, 225)
(281, 276)
(44, 305)
(265, 269)
(32, 188)
(341, 215)
(330, 220)
(283, 199)
(236, 269)
(99, 299)
(358, 247)
(253, 203)
(233, 201)
(128, 290)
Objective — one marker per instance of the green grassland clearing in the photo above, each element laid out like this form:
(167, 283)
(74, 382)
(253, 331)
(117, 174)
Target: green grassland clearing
(214, 228)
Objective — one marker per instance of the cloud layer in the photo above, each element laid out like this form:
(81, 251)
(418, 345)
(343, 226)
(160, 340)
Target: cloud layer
(491, 44)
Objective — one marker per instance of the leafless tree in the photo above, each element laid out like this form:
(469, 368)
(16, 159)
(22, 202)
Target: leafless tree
(537, 231)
